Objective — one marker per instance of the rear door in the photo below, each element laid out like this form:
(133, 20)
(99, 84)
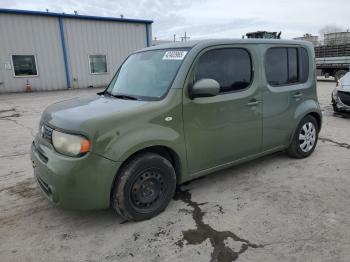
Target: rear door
(286, 75)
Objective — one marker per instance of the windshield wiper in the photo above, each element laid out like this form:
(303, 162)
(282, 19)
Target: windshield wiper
(105, 92)
(122, 96)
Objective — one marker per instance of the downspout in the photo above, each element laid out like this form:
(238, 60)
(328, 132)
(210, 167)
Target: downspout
(147, 36)
(64, 49)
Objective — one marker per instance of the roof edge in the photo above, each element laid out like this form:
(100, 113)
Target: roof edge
(87, 17)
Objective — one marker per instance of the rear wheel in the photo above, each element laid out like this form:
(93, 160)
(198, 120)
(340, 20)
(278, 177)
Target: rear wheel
(144, 187)
(305, 138)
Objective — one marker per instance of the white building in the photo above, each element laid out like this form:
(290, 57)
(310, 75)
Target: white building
(337, 38)
(50, 51)
(309, 37)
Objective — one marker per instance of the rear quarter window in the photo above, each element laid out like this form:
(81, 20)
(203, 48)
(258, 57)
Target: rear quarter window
(286, 65)
(304, 65)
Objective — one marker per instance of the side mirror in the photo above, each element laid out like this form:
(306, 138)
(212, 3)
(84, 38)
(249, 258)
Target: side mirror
(205, 87)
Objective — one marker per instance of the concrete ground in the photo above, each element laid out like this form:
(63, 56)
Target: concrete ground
(272, 209)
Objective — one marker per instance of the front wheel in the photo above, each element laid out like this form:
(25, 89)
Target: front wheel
(305, 138)
(144, 187)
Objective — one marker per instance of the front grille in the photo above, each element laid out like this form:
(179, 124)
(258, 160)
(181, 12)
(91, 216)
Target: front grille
(46, 132)
(40, 154)
(344, 97)
(44, 186)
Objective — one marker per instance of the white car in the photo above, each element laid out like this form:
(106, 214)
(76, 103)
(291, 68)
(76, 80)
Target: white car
(341, 94)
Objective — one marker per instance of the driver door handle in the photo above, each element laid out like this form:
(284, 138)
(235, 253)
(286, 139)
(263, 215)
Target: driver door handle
(298, 95)
(253, 102)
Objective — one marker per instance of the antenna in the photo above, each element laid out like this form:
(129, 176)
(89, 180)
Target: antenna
(184, 38)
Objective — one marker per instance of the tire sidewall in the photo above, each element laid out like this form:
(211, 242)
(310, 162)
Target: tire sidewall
(296, 142)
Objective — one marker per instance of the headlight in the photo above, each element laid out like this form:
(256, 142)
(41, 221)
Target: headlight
(71, 145)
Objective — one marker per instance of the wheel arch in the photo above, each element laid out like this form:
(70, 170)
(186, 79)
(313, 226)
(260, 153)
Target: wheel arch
(318, 118)
(165, 152)
(308, 107)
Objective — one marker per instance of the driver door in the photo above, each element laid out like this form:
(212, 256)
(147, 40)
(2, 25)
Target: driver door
(226, 127)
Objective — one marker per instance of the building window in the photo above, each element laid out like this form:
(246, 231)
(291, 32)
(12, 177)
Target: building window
(230, 67)
(24, 65)
(285, 66)
(98, 64)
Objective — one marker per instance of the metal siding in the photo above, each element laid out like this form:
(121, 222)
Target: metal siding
(40, 35)
(27, 34)
(87, 37)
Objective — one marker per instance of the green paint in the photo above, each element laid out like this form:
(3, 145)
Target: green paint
(206, 133)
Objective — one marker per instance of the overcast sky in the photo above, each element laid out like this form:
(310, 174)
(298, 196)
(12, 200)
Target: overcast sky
(209, 19)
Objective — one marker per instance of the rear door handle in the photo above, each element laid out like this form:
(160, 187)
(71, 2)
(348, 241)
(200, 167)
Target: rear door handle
(253, 102)
(298, 95)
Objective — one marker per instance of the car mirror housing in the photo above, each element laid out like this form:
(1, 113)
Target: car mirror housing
(205, 88)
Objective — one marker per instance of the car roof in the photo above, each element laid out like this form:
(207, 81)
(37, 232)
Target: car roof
(210, 42)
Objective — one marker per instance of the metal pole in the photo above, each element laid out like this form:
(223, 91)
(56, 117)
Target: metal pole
(64, 49)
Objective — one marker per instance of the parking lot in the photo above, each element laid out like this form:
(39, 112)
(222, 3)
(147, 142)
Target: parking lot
(272, 209)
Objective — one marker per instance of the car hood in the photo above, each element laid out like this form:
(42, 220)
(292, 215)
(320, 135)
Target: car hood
(344, 82)
(345, 88)
(85, 114)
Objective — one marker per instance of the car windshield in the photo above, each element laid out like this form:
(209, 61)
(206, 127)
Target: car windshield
(147, 75)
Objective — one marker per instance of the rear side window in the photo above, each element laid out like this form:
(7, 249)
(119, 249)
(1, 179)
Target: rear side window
(276, 66)
(231, 67)
(304, 65)
(292, 65)
(285, 66)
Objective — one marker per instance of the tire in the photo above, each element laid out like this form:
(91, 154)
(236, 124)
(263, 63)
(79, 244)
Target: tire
(305, 138)
(143, 187)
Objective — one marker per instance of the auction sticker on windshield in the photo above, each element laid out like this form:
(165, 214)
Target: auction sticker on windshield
(174, 55)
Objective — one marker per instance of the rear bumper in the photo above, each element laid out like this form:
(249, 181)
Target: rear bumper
(74, 183)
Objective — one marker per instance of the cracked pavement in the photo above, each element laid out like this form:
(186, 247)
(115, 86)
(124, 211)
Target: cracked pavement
(271, 209)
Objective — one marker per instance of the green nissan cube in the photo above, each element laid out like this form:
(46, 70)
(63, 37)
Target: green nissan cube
(173, 113)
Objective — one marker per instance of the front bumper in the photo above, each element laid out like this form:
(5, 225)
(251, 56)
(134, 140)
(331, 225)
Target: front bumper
(341, 100)
(82, 183)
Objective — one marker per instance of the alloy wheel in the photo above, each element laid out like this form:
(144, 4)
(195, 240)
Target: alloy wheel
(307, 137)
